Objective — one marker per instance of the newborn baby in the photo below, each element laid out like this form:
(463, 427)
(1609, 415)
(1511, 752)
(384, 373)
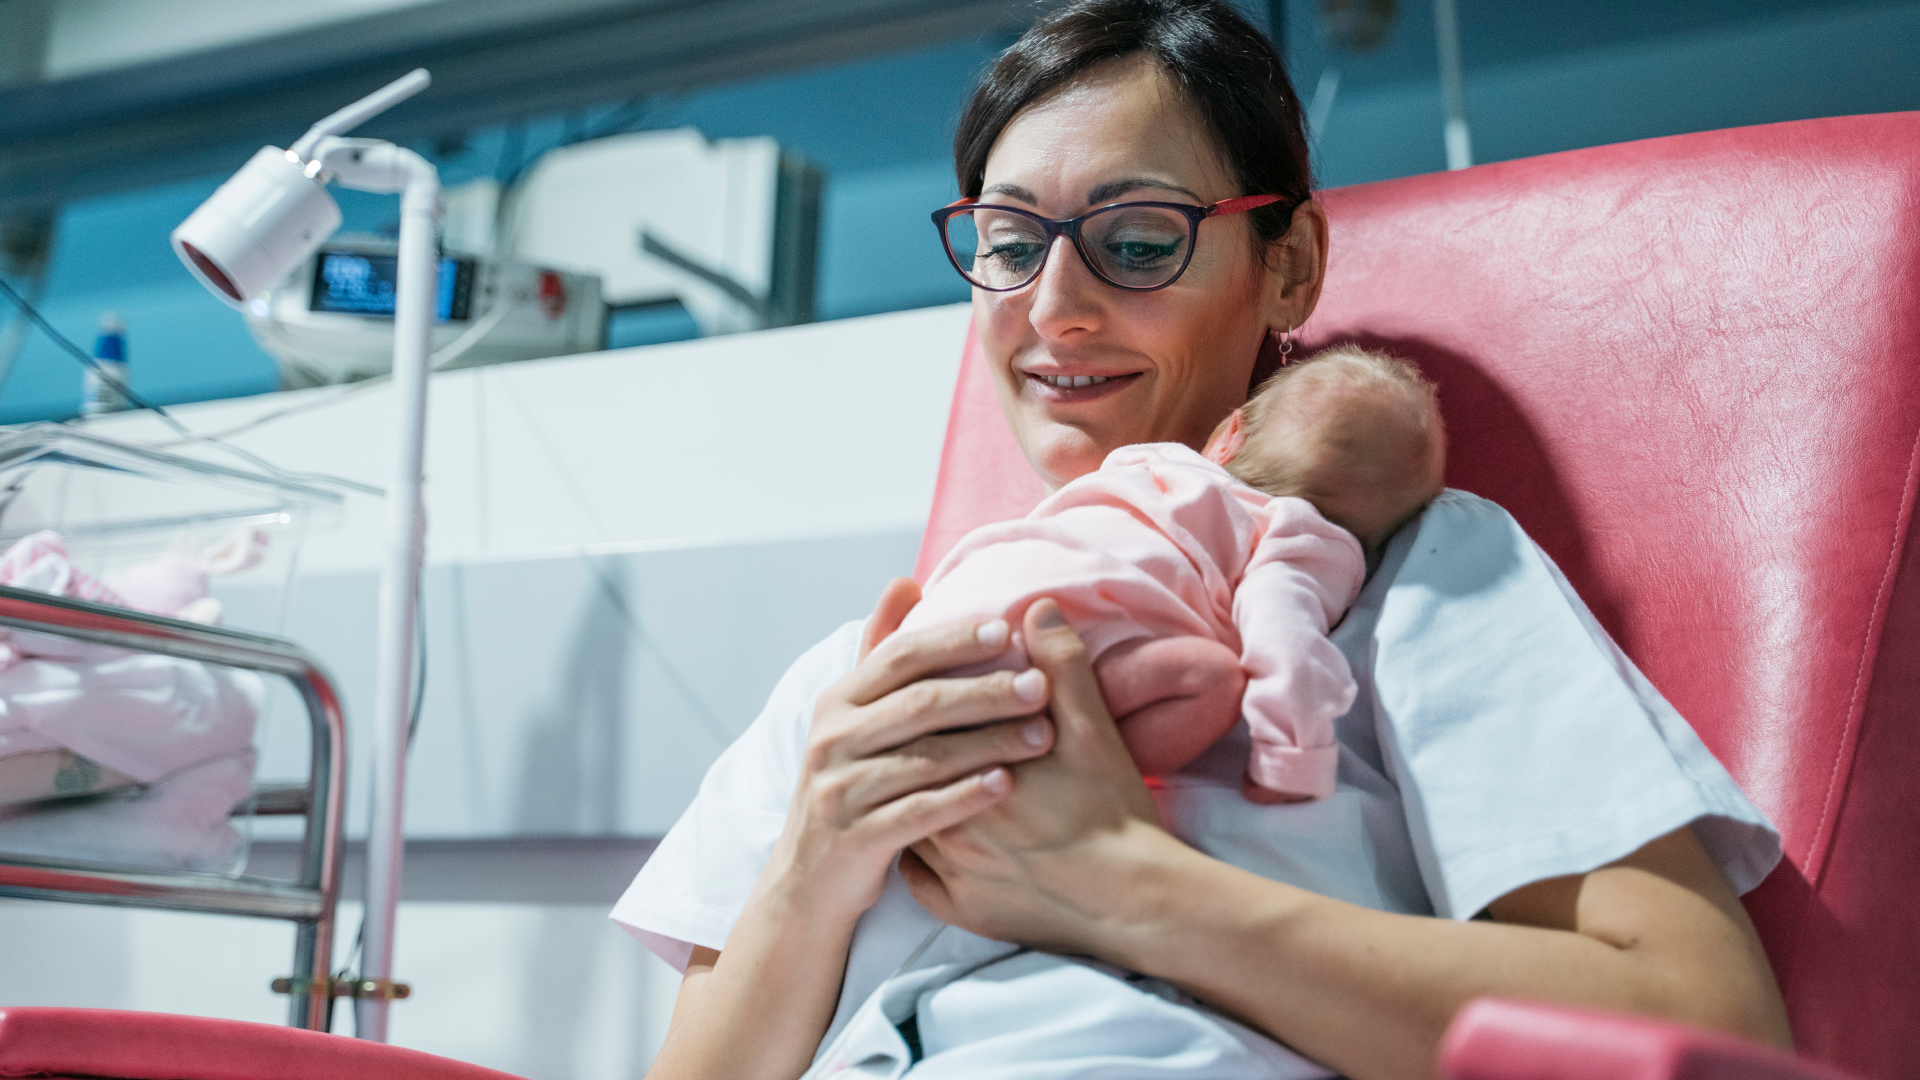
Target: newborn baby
(1204, 586)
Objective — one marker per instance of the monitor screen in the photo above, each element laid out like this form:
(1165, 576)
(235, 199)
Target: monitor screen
(362, 283)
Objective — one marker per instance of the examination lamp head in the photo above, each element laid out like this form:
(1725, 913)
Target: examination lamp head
(264, 221)
(272, 214)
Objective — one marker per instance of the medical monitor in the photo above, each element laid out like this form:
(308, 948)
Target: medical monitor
(364, 283)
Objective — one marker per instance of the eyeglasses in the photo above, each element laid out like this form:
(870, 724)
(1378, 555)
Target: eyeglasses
(1140, 246)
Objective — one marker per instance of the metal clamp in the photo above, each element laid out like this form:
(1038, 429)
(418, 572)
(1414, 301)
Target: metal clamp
(341, 986)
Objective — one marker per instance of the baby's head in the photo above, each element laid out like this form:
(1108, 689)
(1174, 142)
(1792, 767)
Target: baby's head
(1355, 433)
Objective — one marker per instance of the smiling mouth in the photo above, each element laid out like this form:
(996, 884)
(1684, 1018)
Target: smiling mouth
(1078, 387)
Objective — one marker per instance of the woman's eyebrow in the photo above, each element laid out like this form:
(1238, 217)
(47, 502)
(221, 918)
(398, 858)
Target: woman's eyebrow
(1014, 190)
(1106, 192)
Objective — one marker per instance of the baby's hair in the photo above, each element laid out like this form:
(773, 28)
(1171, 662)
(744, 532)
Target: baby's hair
(1344, 421)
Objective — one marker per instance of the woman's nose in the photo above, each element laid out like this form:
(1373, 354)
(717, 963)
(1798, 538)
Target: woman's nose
(1066, 295)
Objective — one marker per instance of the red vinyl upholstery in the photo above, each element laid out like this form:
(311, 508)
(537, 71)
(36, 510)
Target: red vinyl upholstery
(1512, 1040)
(155, 1046)
(1690, 367)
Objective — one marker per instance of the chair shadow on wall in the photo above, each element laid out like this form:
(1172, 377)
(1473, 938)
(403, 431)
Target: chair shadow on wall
(1506, 462)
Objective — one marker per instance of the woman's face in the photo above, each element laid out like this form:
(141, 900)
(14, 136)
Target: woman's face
(1174, 361)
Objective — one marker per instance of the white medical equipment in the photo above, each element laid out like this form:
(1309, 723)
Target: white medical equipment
(116, 504)
(729, 229)
(259, 225)
(331, 320)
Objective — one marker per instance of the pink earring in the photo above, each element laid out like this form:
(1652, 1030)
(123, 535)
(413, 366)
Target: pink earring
(1283, 342)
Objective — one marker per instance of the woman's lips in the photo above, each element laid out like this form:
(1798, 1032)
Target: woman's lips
(1071, 389)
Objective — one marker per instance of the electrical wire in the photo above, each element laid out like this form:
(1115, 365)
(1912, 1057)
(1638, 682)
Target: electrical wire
(447, 354)
(14, 338)
(112, 379)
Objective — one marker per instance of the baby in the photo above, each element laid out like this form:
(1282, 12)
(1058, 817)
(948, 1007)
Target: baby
(1204, 586)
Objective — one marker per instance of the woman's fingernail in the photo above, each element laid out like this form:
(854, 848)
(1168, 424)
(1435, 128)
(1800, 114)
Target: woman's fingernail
(1030, 685)
(992, 633)
(994, 780)
(1034, 731)
(1050, 617)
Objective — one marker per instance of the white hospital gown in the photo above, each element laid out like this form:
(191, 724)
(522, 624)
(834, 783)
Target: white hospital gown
(1498, 738)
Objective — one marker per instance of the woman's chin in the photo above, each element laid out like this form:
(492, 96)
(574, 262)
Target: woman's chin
(1063, 453)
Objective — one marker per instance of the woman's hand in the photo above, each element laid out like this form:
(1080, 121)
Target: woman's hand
(895, 754)
(1035, 867)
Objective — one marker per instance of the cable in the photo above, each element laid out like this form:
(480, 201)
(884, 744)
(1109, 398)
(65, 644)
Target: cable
(447, 354)
(14, 338)
(111, 379)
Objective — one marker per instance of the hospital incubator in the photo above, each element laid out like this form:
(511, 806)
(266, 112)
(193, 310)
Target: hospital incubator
(139, 695)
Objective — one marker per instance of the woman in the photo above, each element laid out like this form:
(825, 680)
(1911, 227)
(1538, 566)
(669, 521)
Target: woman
(1518, 812)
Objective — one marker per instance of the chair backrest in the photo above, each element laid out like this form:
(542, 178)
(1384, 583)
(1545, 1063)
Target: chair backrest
(1690, 367)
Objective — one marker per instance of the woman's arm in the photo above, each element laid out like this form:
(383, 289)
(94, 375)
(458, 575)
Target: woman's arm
(884, 766)
(1073, 861)
(1370, 993)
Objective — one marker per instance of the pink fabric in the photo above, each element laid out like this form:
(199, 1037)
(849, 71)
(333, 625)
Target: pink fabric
(1162, 543)
(172, 583)
(40, 562)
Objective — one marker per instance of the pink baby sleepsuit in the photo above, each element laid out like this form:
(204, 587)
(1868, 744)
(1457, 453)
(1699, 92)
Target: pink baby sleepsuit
(1160, 543)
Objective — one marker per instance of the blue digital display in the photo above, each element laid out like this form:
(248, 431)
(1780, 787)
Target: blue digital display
(363, 283)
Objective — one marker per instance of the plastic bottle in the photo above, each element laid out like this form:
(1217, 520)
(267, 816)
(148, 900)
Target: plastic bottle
(105, 395)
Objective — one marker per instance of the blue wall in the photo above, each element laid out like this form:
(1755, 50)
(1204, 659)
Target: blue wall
(1779, 61)
(1540, 78)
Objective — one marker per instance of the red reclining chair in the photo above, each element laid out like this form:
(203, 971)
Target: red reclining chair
(1691, 368)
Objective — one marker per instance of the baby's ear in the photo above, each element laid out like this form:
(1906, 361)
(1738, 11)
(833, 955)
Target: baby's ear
(1226, 440)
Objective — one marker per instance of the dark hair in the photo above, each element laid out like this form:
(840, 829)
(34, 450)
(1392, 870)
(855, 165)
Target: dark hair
(1226, 68)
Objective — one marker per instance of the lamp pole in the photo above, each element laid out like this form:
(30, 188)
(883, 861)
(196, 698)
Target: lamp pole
(259, 225)
(1453, 85)
(406, 551)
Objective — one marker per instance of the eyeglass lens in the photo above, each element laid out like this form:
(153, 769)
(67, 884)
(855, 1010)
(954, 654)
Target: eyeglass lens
(1135, 247)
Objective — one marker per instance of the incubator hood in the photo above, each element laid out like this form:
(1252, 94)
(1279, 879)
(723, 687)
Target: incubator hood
(117, 503)
(96, 489)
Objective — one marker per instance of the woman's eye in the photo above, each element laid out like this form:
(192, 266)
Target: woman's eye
(1141, 252)
(1012, 253)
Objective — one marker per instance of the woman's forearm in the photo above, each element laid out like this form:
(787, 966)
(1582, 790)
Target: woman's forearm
(1370, 993)
(759, 1008)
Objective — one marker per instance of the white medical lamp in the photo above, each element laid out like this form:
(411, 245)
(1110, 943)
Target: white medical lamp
(259, 225)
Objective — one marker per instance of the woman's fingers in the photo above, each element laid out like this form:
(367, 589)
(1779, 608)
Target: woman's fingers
(933, 705)
(1087, 739)
(1055, 649)
(912, 818)
(904, 658)
(925, 883)
(899, 597)
(937, 759)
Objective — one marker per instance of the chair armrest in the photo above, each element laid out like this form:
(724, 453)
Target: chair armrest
(1495, 1039)
(158, 1046)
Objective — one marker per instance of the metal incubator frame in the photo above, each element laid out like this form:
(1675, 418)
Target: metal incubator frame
(309, 901)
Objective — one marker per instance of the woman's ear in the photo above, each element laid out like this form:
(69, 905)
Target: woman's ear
(1227, 439)
(1296, 267)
